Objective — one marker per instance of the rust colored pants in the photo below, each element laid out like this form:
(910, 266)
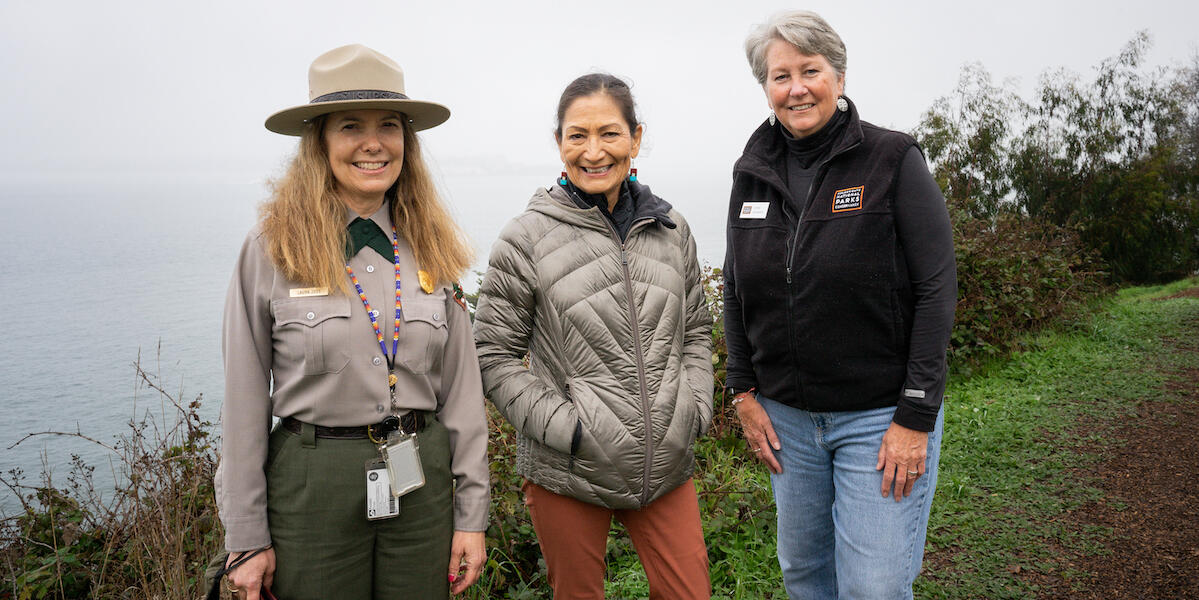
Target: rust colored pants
(667, 535)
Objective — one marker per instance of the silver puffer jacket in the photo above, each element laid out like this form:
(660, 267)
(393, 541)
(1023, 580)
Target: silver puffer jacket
(619, 344)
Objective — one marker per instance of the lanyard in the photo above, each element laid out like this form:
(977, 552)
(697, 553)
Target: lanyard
(395, 335)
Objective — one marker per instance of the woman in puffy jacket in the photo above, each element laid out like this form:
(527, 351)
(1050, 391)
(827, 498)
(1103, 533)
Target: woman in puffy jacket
(597, 283)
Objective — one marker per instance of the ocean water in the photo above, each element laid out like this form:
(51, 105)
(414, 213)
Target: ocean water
(96, 275)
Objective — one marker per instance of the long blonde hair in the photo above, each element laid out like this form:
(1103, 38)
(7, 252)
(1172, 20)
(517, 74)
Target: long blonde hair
(305, 228)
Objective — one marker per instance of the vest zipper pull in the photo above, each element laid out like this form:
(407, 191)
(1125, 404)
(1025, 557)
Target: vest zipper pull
(788, 274)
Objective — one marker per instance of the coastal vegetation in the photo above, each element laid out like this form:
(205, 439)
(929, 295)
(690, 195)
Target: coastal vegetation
(1056, 202)
(1113, 160)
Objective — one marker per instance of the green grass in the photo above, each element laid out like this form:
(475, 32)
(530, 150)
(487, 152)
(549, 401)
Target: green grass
(1014, 450)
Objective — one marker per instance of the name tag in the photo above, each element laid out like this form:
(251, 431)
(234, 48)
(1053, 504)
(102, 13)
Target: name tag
(308, 292)
(754, 210)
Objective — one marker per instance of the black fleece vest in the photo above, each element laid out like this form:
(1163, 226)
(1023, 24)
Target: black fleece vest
(825, 304)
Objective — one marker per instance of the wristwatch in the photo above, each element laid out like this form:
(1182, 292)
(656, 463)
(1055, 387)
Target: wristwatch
(739, 396)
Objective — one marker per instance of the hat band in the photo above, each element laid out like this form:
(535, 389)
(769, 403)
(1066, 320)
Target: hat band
(359, 95)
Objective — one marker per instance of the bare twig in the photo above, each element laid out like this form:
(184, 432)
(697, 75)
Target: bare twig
(62, 433)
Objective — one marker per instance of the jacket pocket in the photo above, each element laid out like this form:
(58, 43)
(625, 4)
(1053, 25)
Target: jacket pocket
(685, 406)
(319, 325)
(596, 431)
(423, 334)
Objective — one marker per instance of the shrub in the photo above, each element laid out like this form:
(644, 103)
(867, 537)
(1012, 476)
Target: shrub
(1115, 158)
(1015, 275)
(151, 540)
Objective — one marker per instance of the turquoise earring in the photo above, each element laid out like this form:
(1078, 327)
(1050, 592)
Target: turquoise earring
(562, 180)
(632, 173)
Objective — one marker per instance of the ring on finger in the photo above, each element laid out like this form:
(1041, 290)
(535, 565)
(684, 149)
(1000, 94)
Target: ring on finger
(757, 450)
(913, 473)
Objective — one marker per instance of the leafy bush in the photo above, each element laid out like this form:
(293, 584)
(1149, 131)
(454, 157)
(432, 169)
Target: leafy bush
(1115, 159)
(1015, 275)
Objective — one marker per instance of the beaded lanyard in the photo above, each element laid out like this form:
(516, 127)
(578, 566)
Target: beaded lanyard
(395, 335)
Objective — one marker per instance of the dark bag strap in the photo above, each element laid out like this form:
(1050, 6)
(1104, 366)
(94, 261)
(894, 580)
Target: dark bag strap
(214, 593)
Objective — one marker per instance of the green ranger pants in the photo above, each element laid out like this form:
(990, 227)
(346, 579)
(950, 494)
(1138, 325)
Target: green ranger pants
(324, 545)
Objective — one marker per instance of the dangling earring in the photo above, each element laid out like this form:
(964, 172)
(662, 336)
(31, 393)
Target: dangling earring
(632, 172)
(842, 104)
(562, 180)
(772, 118)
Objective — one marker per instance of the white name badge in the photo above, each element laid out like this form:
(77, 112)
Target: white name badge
(754, 210)
(308, 292)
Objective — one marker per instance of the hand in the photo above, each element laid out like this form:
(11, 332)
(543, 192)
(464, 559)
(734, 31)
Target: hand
(468, 552)
(901, 459)
(251, 576)
(759, 432)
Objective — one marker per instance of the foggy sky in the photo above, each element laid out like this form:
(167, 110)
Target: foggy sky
(161, 89)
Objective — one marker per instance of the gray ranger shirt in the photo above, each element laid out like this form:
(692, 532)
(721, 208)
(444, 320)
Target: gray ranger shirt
(291, 351)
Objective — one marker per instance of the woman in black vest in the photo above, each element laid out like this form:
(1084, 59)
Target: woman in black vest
(837, 351)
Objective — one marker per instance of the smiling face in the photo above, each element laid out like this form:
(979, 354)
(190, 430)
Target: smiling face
(802, 89)
(366, 154)
(597, 146)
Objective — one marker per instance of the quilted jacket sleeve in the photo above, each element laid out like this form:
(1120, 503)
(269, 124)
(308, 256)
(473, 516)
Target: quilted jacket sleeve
(697, 335)
(504, 324)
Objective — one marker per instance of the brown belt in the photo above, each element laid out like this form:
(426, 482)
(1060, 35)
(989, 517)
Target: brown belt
(413, 421)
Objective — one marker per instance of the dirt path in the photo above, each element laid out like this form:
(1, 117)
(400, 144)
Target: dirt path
(1152, 478)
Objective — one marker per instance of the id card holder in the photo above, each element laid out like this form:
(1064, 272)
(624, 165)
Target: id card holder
(403, 463)
(380, 502)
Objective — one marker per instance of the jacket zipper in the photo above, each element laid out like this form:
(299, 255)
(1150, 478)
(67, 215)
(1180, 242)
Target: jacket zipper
(570, 467)
(628, 284)
(792, 242)
(640, 360)
(803, 208)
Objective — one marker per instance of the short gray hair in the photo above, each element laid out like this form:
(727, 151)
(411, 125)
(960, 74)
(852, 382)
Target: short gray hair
(806, 30)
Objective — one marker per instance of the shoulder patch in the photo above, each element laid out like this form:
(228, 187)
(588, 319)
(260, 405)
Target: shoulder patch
(459, 296)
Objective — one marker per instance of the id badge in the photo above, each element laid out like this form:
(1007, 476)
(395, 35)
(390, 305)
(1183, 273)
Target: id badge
(380, 502)
(403, 463)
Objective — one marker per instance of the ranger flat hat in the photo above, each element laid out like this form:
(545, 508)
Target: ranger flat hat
(355, 77)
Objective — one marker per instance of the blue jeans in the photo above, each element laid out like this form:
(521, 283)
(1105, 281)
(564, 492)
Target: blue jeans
(838, 537)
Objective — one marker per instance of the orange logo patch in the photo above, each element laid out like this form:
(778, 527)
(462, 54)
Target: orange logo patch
(848, 199)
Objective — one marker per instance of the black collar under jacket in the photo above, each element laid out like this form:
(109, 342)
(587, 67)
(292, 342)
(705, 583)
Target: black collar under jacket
(644, 205)
(811, 149)
(765, 154)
